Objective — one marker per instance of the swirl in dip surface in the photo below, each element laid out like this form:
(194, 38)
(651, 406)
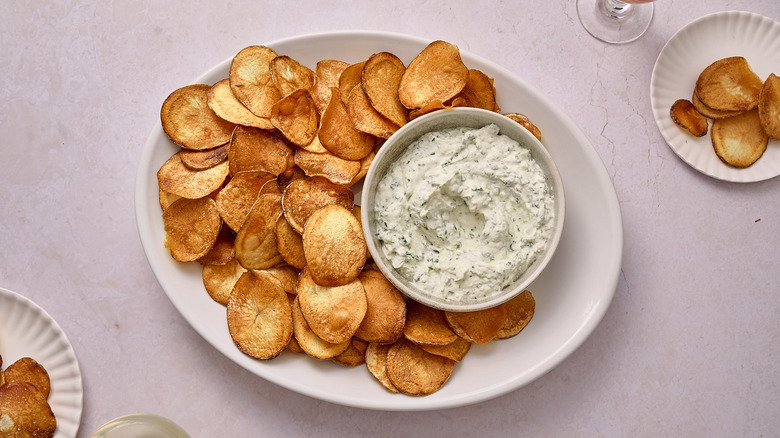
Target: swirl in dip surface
(464, 212)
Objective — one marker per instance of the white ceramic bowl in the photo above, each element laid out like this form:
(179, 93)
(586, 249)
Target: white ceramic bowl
(443, 119)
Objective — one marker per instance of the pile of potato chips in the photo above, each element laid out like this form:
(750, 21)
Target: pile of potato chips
(24, 405)
(745, 110)
(260, 194)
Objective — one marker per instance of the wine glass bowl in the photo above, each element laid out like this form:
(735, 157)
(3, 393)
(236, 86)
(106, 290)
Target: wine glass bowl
(615, 21)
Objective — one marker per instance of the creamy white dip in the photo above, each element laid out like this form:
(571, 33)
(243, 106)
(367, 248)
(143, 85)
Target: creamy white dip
(464, 212)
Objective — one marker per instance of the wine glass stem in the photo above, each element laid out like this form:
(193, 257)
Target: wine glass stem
(616, 9)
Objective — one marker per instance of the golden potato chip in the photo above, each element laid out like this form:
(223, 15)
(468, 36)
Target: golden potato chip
(290, 243)
(220, 279)
(259, 316)
(304, 196)
(328, 166)
(480, 326)
(176, 178)
(426, 325)
(251, 82)
(338, 134)
(295, 116)
(287, 276)
(226, 106)
(24, 412)
(189, 122)
(435, 106)
(27, 369)
(685, 115)
(167, 199)
(205, 158)
(376, 362)
(239, 195)
(739, 141)
(365, 117)
(709, 112)
(436, 73)
(223, 249)
(769, 106)
(380, 78)
(290, 175)
(309, 342)
(523, 120)
(354, 355)
(334, 246)
(256, 240)
(349, 78)
(365, 164)
(482, 87)
(414, 371)
(729, 84)
(519, 311)
(386, 312)
(333, 313)
(326, 75)
(455, 350)
(257, 149)
(290, 75)
(191, 228)
(315, 146)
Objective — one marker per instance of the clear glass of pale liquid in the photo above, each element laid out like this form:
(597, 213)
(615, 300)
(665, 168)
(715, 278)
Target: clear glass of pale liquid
(615, 21)
(140, 426)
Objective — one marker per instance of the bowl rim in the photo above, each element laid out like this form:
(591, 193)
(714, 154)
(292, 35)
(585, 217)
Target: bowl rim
(443, 119)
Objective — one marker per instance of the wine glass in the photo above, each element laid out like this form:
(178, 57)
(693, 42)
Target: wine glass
(615, 21)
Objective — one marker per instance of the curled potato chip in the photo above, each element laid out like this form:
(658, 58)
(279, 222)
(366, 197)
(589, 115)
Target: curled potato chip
(365, 164)
(220, 279)
(769, 106)
(414, 371)
(239, 195)
(729, 84)
(455, 350)
(25, 412)
(290, 244)
(376, 362)
(191, 228)
(519, 311)
(304, 196)
(338, 134)
(481, 85)
(365, 117)
(380, 78)
(189, 122)
(480, 326)
(349, 79)
(223, 249)
(309, 342)
(333, 313)
(258, 149)
(523, 120)
(739, 141)
(328, 166)
(167, 199)
(226, 106)
(334, 246)
(354, 355)
(295, 116)
(27, 369)
(326, 75)
(709, 112)
(290, 75)
(256, 240)
(436, 73)
(685, 115)
(435, 106)
(259, 316)
(177, 179)
(204, 159)
(426, 325)
(386, 309)
(251, 82)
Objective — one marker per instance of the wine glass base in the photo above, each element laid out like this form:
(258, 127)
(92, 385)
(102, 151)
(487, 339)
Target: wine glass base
(609, 28)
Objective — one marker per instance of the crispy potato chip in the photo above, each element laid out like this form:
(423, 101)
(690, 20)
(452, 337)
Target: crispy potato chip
(414, 371)
(257, 149)
(523, 120)
(27, 369)
(729, 84)
(480, 326)
(376, 362)
(176, 178)
(365, 117)
(290, 243)
(709, 112)
(339, 136)
(290, 175)
(251, 82)
(191, 228)
(334, 246)
(519, 311)
(223, 249)
(166, 199)
(256, 240)
(455, 350)
(189, 122)
(349, 78)
(295, 116)
(326, 75)
(328, 166)
(365, 164)
(204, 159)
(354, 355)
(769, 106)
(290, 75)
(386, 312)
(287, 276)
(482, 87)
(380, 78)
(436, 73)
(220, 279)
(24, 412)
(259, 316)
(316, 145)
(304, 196)
(426, 325)
(309, 342)
(685, 115)
(333, 313)
(239, 195)
(739, 141)
(435, 106)
(226, 106)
